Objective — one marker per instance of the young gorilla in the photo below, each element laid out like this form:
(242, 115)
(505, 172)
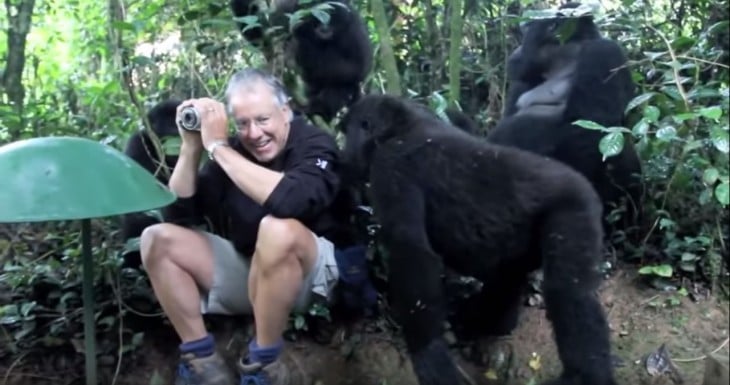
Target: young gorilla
(343, 45)
(554, 84)
(447, 199)
(141, 148)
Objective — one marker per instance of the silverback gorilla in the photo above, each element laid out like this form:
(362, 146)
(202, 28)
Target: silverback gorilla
(562, 72)
(444, 198)
(141, 148)
(343, 45)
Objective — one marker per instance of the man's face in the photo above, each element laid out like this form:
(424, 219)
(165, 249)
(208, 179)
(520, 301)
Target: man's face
(263, 125)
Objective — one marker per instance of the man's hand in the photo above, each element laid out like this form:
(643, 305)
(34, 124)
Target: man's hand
(213, 123)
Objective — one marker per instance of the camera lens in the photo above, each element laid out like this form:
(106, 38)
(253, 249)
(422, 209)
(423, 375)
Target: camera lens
(190, 120)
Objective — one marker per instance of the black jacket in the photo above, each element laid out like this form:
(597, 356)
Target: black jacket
(306, 193)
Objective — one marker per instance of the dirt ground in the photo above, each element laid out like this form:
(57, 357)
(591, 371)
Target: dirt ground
(640, 325)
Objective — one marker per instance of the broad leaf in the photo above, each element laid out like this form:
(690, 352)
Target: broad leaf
(714, 112)
(666, 133)
(722, 193)
(719, 137)
(611, 144)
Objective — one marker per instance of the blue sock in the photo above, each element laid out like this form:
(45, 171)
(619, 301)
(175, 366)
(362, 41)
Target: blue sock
(203, 347)
(264, 355)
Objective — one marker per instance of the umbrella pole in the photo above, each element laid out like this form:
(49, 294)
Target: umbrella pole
(88, 298)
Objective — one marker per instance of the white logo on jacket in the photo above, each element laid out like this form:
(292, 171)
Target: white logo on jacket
(321, 163)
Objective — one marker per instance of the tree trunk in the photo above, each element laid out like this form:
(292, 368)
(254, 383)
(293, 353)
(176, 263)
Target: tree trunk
(456, 25)
(19, 14)
(387, 56)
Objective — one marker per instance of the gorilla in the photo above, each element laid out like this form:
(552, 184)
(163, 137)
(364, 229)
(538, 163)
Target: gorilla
(564, 71)
(343, 45)
(141, 148)
(447, 199)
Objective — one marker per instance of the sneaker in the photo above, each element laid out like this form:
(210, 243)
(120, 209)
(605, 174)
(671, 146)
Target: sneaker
(275, 373)
(211, 370)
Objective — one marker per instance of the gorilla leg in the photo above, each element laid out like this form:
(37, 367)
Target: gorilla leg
(494, 311)
(570, 253)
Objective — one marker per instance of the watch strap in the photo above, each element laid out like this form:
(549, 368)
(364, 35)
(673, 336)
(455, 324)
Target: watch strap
(215, 145)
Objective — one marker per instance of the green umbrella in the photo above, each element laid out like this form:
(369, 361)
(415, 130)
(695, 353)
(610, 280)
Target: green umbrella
(64, 178)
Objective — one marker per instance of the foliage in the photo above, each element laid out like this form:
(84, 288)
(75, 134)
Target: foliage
(92, 69)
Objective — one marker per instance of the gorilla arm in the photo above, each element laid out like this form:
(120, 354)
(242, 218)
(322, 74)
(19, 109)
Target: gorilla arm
(414, 275)
(418, 300)
(602, 86)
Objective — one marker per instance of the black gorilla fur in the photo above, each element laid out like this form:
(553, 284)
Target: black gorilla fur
(444, 198)
(552, 85)
(461, 120)
(141, 148)
(333, 60)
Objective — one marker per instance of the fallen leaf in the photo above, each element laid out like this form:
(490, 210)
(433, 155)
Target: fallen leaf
(491, 374)
(535, 362)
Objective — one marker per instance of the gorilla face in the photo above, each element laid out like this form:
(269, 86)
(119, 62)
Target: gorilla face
(358, 125)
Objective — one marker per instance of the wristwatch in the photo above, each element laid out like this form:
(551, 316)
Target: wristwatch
(215, 145)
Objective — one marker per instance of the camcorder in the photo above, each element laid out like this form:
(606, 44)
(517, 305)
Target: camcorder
(189, 119)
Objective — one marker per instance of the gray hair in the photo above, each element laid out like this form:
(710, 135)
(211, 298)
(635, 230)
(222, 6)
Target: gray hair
(247, 77)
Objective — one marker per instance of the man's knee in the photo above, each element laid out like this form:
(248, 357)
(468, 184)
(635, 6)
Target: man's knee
(281, 241)
(156, 241)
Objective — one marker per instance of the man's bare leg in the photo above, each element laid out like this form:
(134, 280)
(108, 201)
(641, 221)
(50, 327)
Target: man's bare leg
(178, 261)
(286, 251)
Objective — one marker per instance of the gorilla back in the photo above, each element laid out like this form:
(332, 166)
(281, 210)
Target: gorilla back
(445, 198)
(142, 149)
(553, 84)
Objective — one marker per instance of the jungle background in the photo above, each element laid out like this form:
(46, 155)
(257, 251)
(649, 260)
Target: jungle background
(92, 69)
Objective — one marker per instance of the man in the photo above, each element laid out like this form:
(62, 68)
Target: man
(271, 185)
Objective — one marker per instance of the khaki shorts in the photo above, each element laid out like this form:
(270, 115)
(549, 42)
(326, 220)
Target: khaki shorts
(229, 292)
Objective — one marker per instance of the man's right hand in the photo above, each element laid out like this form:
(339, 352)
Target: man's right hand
(191, 140)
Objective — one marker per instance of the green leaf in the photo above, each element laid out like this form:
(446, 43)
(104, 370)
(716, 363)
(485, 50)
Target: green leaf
(137, 339)
(321, 15)
(714, 112)
(658, 270)
(299, 322)
(171, 145)
(679, 118)
(692, 145)
(720, 140)
(710, 176)
(639, 100)
(589, 125)
(641, 127)
(666, 133)
(666, 223)
(651, 114)
(722, 193)
(26, 307)
(688, 257)
(611, 144)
